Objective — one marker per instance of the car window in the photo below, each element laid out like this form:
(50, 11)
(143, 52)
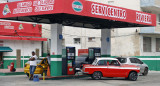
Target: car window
(95, 61)
(102, 62)
(44, 61)
(114, 63)
(132, 60)
(122, 60)
(138, 61)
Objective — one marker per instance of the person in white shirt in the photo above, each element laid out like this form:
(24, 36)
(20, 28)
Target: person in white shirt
(33, 64)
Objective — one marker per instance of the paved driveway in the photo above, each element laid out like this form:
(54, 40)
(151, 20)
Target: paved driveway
(153, 79)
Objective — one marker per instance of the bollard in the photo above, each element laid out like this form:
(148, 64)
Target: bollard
(43, 73)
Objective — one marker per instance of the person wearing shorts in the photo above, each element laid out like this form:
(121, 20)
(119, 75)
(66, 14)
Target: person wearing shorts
(33, 65)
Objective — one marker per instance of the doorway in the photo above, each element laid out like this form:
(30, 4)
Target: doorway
(18, 58)
(1, 56)
(37, 53)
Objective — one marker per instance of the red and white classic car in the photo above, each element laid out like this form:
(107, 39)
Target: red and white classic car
(110, 67)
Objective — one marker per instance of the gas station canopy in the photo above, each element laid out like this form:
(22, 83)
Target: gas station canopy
(79, 13)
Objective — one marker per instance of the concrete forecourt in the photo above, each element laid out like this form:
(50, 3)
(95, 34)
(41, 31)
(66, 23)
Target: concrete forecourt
(151, 80)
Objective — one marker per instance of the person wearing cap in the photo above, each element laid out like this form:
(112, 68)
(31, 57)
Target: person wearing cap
(33, 64)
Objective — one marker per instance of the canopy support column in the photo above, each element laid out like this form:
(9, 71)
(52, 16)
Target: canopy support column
(56, 50)
(106, 42)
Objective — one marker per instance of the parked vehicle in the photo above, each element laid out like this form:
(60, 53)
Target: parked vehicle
(39, 69)
(134, 61)
(110, 67)
(79, 61)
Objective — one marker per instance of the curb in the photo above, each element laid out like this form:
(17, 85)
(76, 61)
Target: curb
(65, 77)
(12, 73)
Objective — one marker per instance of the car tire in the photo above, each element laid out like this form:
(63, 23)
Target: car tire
(97, 75)
(145, 72)
(133, 76)
(27, 74)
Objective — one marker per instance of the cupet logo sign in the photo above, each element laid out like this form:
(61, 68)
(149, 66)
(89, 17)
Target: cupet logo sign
(20, 27)
(6, 10)
(77, 6)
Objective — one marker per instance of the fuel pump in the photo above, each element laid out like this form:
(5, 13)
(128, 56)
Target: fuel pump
(93, 53)
(68, 61)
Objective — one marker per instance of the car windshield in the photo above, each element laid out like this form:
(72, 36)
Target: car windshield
(95, 61)
(122, 60)
(38, 61)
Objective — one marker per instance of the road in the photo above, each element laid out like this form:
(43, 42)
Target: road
(153, 79)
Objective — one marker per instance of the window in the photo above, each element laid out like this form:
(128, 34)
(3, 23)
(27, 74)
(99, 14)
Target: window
(110, 2)
(122, 60)
(146, 44)
(138, 61)
(157, 44)
(102, 62)
(77, 40)
(114, 63)
(108, 62)
(1, 43)
(132, 60)
(159, 19)
(91, 39)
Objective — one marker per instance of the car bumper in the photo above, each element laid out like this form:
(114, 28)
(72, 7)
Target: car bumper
(36, 71)
(85, 72)
(78, 69)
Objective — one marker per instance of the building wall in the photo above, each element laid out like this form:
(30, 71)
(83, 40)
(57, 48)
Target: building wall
(131, 4)
(3, 1)
(125, 42)
(26, 48)
(128, 42)
(46, 28)
(69, 33)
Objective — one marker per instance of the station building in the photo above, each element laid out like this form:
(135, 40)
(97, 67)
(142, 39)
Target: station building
(131, 46)
(17, 41)
(141, 42)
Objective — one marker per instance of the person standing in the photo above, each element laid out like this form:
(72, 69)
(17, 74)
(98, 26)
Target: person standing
(49, 59)
(33, 64)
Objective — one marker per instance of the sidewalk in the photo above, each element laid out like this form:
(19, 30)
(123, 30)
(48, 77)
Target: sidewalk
(5, 72)
(76, 76)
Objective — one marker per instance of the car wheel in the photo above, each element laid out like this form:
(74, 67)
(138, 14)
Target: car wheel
(145, 72)
(133, 76)
(27, 74)
(96, 75)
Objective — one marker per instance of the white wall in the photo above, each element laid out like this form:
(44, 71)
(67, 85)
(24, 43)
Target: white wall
(125, 42)
(46, 30)
(25, 46)
(70, 33)
(130, 4)
(3, 1)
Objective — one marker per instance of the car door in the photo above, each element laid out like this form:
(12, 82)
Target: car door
(136, 62)
(114, 69)
(140, 64)
(102, 66)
